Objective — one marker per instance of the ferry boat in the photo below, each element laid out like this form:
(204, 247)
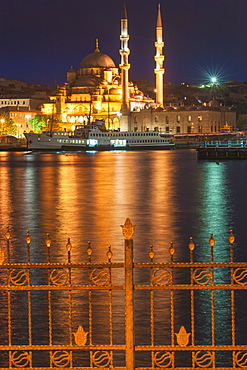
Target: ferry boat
(96, 137)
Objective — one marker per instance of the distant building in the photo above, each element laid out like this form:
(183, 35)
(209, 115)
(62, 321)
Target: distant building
(184, 120)
(21, 111)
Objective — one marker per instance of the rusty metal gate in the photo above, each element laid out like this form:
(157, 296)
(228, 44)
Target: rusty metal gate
(168, 314)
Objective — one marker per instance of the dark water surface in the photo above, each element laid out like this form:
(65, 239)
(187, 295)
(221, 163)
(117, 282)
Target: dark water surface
(168, 195)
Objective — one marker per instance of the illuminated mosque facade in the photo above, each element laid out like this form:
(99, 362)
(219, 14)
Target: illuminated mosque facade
(98, 90)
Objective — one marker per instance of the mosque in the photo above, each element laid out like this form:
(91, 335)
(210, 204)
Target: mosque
(98, 90)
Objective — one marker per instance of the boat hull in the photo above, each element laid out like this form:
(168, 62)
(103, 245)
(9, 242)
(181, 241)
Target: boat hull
(92, 139)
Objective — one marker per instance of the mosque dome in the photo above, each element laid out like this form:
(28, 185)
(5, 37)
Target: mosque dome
(97, 59)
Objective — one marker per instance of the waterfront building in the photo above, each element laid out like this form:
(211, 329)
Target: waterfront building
(100, 90)
(181, 120)
(21, 111)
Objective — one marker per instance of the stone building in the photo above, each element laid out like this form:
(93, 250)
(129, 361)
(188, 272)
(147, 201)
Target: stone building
(204, 119)
(21, 111)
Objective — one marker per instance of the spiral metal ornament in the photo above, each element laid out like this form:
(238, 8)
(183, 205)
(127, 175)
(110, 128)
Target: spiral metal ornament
(203, 358)
(60, 358)
(18, 277)
(100, 276)
(163, 359)
(240, 359)
(59, 276)
(202, 276)
(20, 359)
(161, 276)
(101, 359)
(240, 276)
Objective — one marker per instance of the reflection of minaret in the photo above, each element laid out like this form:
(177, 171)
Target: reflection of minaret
(124, 66)
(159, 59)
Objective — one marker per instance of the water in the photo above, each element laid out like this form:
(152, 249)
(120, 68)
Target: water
(168, 195)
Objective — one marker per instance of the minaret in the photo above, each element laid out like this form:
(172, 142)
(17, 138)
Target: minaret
(124, 66)
(159, 59)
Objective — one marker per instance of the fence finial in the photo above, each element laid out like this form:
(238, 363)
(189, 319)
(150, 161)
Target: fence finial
(128, 229)
(211, 240)
(28, 237)
(7, 234)
(231, 237)
(191, 245)
(48, 241)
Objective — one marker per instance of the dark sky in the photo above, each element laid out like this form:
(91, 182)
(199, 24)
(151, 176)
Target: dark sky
(41, 39)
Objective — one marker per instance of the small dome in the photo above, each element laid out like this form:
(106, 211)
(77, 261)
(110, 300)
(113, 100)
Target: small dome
(192, 107)
(213, 103)
(114, 91)
(85, 81)
(97, 59)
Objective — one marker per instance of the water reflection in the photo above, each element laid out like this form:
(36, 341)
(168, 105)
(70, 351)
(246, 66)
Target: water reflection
(169, 195)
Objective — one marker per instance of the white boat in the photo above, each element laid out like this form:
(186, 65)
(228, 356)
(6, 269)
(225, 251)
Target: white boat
(96, 137)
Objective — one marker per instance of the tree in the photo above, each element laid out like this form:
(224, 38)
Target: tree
(38, 123)
(7, 125)
(42, 122)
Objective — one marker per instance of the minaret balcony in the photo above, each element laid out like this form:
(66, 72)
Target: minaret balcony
(125, 52)
(124, 66)
(124, 38)
(159, 71)
(159, 58)
(159, 44)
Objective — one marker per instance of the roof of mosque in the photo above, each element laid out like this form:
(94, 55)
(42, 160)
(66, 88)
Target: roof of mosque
(87, 81)
(97, 60)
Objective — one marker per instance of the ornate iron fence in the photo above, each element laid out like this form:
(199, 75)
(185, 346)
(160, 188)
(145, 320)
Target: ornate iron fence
(122, 315)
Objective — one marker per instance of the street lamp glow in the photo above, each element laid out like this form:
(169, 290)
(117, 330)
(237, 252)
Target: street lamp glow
(213, 79)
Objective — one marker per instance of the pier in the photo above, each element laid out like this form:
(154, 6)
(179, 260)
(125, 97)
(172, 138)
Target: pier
(223, 150)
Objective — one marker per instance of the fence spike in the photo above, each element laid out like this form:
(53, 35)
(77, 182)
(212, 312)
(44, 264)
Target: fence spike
(69, 245)
(28, 238)
(151, 253)
(7, 234)
(191, 245)
(48, 241)
(211, 240)
(109, 254)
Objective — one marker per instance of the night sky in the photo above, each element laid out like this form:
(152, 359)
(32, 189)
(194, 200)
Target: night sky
(41, 39)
